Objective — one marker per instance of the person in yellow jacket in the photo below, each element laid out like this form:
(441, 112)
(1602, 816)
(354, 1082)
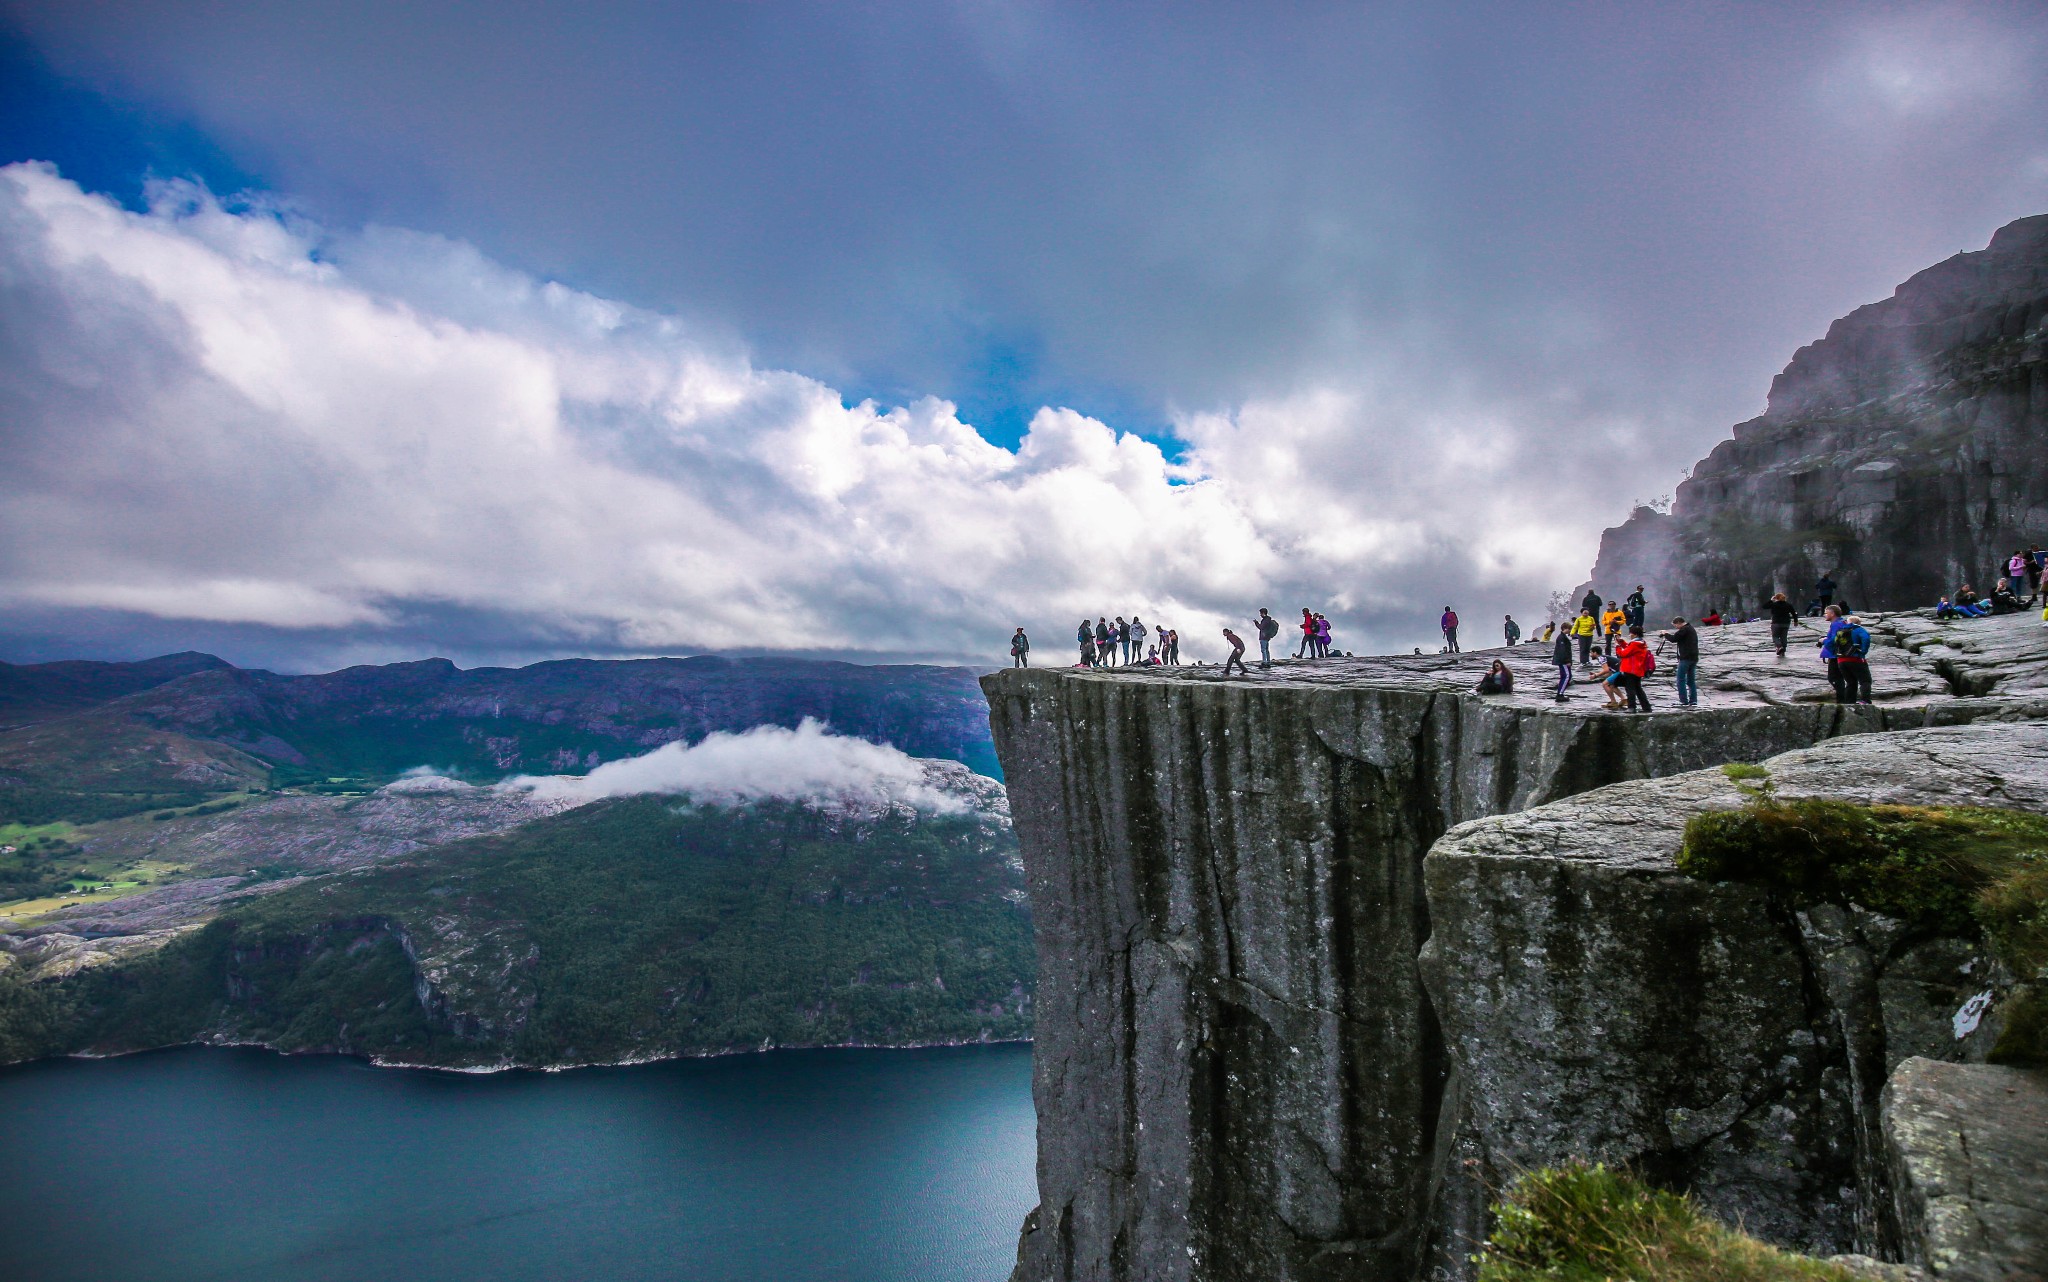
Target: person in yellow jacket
(1611, 625)
(1583, 628)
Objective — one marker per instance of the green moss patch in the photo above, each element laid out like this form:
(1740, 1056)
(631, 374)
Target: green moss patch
(1973, 873)
(1586, 1223)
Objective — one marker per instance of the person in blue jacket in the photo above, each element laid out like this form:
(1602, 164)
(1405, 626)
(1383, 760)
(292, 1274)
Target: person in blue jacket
(1833, 616)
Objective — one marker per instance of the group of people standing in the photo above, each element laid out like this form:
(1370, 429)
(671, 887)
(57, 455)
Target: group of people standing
(1108, 643)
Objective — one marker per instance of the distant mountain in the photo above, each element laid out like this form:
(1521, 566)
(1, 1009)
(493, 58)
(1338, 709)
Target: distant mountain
(1904, 452)
(625, 929)
(84, 741)
(37, 692)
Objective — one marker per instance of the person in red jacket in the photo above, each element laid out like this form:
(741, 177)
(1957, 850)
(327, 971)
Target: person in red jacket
(1634, 658)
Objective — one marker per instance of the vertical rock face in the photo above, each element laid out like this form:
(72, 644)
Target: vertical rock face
(1599, 1004)
(1240, 1072)
(1904, 451)
(1968, 1151)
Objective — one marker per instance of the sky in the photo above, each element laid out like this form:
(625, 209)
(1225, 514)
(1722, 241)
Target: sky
(338, 333)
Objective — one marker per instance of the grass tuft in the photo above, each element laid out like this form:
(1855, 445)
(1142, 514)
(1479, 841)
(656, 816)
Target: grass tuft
(1740, 770)
(1586, 1223)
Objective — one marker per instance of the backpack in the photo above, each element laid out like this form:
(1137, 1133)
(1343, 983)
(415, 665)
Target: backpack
(1269, 627)
(1854, 643)
(1649, 660)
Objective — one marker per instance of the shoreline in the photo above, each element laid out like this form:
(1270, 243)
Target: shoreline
(487, 1070)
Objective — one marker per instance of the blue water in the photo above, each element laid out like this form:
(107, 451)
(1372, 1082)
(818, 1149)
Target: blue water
(227, 1164)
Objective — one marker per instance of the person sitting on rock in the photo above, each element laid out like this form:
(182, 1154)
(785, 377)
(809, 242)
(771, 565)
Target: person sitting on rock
(2002, 599)
(1498, 680)
(1944, 611)
(1610, 683)
(1711, 619)
(1152, 656)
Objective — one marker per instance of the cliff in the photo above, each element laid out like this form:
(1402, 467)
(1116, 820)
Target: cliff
(1240, 1071)
(1903, 452)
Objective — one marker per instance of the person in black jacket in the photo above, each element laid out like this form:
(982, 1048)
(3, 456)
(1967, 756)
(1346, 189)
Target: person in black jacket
(1783, 616)
(1687, 642)
(1561, 657)
(1591, 603)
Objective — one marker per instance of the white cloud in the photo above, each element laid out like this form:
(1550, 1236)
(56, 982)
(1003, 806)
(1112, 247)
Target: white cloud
(231, 415)
(808, 764)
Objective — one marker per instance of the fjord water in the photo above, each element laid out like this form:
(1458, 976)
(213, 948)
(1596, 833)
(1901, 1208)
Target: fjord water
(229, 1164)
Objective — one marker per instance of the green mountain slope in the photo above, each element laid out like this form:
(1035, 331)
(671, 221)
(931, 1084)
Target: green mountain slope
(626, 929)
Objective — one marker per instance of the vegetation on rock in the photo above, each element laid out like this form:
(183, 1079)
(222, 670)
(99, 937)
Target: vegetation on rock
(1587, 1223)
(625, 929)
(1969, 872)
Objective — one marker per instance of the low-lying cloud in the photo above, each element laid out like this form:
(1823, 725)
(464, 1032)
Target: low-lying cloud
(809, 764)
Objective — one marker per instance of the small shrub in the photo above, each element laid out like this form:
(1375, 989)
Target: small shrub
(1741, 770)
(1587, 1223)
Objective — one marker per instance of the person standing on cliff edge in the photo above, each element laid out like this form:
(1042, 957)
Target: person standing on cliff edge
(1511, 630)
(1267, 627)
(1020, 650)
(1824, 591)
(1449, 623)
(1237, 652)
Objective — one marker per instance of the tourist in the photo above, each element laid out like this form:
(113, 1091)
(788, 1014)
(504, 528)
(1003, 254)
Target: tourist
(1561, 656)
(1824, 592)
(1308, 633)
(1173, 647)
(1712, 619)
(1152, 656)
(1687, 641)
(2034, 555)
(1020, 650)
(1610, 682)
(1549, 631)
(1783, 616)
(1321, 646)
(2016, 570)
(1590, 603)
(1852, 661)
(1827, 651)
(1611, 624)
(1085, 636)
(1498, 680)
(1634, 607)
(1449, 624)
(1512, 630)
(1583, 628)
(1635, 661)
(1237, 651)
(2002, 599)
(1101, 642)
(1138, 634)
(1266, 627)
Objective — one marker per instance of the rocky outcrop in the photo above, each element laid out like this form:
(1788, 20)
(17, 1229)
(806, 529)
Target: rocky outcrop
(1967, 1147)
(1239, 1072)
(1903, 452)
(1598, 1003)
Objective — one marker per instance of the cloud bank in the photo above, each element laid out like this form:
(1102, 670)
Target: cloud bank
(230, 415)
(809, 764)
